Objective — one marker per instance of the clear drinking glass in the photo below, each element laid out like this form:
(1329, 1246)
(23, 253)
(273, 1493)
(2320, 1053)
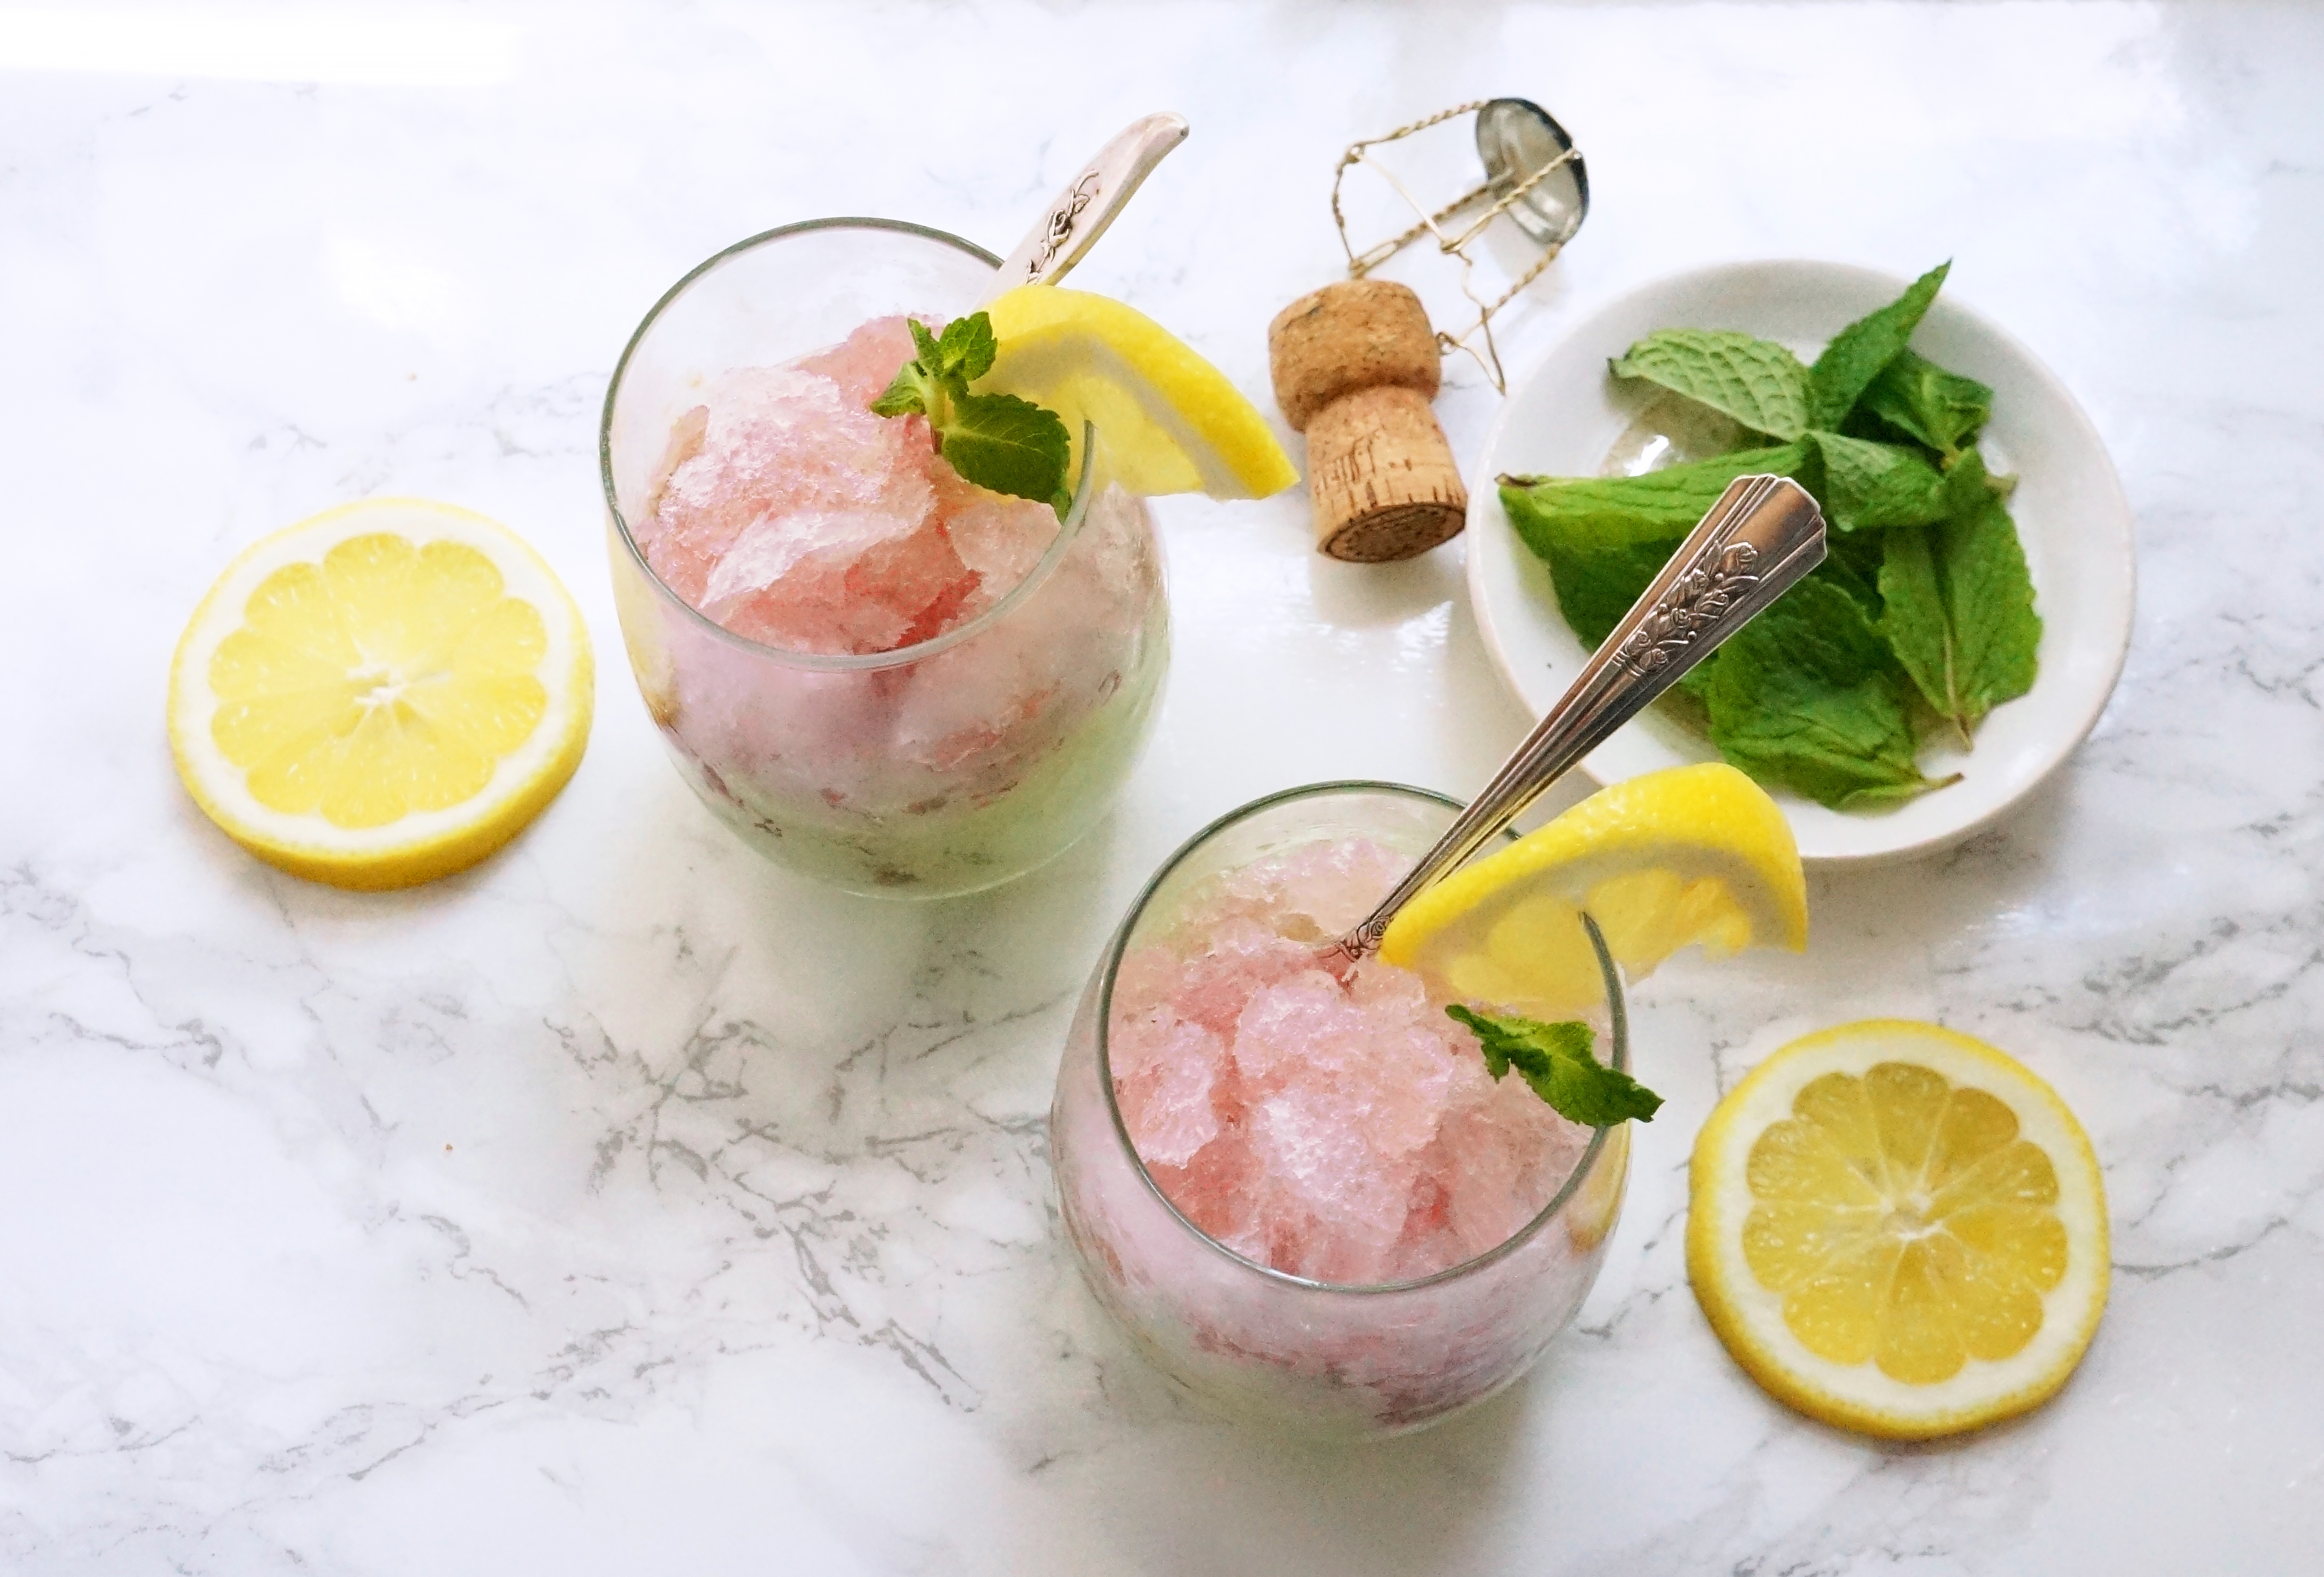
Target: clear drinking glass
(940, 768)
(1333, 1359)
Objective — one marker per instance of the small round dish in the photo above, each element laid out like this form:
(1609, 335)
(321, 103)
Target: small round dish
(2071, 515)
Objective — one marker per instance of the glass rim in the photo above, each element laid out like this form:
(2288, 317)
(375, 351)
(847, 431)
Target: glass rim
(1068, 529)
(1618, 1037)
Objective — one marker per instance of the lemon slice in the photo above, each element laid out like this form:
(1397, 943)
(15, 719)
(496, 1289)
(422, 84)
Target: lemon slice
(1172, 422)
(380, 695)
(1899, 1229)
(1690, 854)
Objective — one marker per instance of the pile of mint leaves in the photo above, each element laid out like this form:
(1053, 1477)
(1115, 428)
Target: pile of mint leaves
(1920, 620)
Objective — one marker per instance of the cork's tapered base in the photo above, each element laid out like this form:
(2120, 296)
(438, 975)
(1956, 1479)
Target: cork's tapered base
(1381, 476)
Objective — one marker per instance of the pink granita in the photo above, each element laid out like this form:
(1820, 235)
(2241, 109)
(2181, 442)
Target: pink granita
(1342, 1130)
(792, 516)
(875, 674)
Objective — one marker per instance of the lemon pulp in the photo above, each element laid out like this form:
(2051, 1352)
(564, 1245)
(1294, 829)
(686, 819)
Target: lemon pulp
(386, 678)
(1904, 1221)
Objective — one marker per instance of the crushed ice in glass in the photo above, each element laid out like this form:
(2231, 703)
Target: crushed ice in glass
(792, 516)
(1347, 1132)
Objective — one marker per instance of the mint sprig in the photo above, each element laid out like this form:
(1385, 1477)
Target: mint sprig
(997, 441)
(1557, 1061)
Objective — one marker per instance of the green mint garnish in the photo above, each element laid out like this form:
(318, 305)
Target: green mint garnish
(997, 441)
(1921, 617)
(1557, 1061)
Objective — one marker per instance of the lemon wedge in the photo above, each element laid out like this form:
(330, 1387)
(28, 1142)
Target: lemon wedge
(1690, 854)
(1898, 1230)
(1172, 422)
(382, 694)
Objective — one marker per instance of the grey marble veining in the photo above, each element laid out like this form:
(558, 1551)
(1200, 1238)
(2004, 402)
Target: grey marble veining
(627, 1205)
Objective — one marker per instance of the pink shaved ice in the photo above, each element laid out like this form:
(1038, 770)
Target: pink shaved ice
(1344, 1130)
(793, 516)
(864, 363)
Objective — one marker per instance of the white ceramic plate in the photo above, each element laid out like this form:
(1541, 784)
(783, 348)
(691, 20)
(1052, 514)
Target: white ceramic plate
(2069, 508)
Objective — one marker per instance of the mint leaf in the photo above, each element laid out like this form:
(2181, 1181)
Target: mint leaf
(1605, 539)
(1967, 484)
(908, 394)
(1660, 505)
(1756, 381)
(1888, 795)
(1940, 410)
(1867, 486)
(1959, 610)
(1851, 562)
(1808, 695)
(1696, 683)
(1556, 1060)
(966, 348)
(1917, 625)
(916, 389)
(1860, 352)
(1596, 588)
(1007, 445)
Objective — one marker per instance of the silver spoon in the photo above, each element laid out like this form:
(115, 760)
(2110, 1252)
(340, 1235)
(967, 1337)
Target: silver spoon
(1759, 539)
(1079, 216)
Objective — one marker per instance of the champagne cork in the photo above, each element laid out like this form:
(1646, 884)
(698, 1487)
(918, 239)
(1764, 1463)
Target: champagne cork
(1355, 366)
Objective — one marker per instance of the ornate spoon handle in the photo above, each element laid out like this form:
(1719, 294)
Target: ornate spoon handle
(1759, 539)
(1080, 213)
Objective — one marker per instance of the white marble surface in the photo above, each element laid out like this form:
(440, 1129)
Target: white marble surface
(625, 1205)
